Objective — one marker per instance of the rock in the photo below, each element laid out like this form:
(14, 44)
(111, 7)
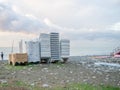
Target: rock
(45, 85)
(93, 77)
(45, 69)
(55, 78)
(2, 81)
(39, 79)
(67, 81)
(71, 72)
(58, 66)
(23, 72)
(13, 73)
(73, 79)
(84, 80)
(32, 84)
(14, 76)
(51, 73)
(30, 69)
(81, 72)
(55, 73)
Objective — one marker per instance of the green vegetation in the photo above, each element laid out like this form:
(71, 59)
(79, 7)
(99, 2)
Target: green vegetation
(19, 85)
(19, 67)
(4, 85)
(33, 66)
(89, 87)
(74, 86)
(14, 67)
(12, 83)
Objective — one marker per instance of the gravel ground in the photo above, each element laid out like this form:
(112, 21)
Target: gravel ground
(76, 70)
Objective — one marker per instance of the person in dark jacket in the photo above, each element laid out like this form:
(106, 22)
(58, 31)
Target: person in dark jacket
(2, 55)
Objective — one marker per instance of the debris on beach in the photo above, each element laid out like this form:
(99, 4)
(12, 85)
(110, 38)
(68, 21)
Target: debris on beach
(3, 81)
(45, 85)
(83, 70)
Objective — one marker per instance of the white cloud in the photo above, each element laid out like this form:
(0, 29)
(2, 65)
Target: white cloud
(115, 26)
(6, 38)
(52, 25)
(81, 21)
(13, 21)
(73, 13)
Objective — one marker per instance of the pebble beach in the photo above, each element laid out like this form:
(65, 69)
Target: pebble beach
(82, 69)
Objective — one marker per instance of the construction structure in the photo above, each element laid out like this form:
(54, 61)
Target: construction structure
(20, 58)
(45, 50)
(64, 49)
(55, 47)
(22, 46)
(33, 51)
(48, 48)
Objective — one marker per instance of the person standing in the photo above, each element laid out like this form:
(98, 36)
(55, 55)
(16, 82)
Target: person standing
(2, 55)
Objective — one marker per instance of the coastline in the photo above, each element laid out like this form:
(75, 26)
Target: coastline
(82, 71)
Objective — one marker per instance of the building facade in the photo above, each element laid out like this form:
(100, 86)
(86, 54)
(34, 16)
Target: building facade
(55, 46)
(33, 51)
(45, 50)
(64, 49)
(48, 48)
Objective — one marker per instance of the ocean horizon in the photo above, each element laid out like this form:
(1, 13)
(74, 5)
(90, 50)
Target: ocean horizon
(83, 52)
(7, 50)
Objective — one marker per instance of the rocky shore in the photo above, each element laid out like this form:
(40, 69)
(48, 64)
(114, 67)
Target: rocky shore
(92, 70)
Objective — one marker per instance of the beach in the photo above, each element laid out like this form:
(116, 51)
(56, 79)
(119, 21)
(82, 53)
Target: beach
(82, 69)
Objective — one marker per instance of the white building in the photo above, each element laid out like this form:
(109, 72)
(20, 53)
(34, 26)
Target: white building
(45, 51)
(55, 46)
(64, 49)
(22, 46)
(33, 51)
(48, 48)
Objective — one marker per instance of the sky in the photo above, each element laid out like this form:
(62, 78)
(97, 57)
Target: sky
(93, 26)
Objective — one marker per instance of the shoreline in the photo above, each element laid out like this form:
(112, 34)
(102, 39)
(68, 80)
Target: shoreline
(84, 71)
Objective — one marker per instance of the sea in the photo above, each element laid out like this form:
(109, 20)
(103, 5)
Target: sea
(7, 50)
(83, 52)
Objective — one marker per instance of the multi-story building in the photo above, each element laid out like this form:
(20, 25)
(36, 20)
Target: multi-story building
(33, 51)
(64, 49)
(45, 52)
(48, 48)
(55, 46)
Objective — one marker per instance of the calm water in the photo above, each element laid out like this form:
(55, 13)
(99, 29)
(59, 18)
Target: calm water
(7, 51)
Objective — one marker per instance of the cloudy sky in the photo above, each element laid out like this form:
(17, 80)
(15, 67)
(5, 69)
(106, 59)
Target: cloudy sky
(93, 26)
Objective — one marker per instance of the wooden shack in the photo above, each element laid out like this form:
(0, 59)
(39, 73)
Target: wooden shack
(18, 58)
